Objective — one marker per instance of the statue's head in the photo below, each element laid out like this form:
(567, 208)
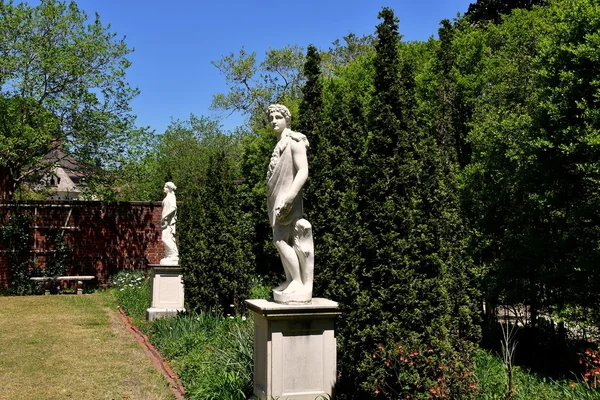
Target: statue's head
(281, 109)
(170, 186)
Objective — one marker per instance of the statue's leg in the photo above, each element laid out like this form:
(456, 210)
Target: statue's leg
(291, 266)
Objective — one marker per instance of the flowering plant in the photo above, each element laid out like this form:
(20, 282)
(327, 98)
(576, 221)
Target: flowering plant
(591, 361)
(127, 280)
(418, 373)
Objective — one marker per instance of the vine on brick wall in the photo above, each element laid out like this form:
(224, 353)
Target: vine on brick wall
(16, 237)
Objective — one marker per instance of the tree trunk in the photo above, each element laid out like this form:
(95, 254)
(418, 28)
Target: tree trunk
(6, 184)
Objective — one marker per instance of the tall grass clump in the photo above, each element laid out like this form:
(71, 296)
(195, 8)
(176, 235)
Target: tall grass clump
(131, 289)
(213, 355)
(493, 381)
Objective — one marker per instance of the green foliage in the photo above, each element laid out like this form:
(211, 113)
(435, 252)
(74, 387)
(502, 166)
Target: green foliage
(252, 86)
(16, 237)
(341, 55)
(492, 383)
(531, 189)
(215, 247)
(62, 84)
(132, 292)
(330, 198)
(311, 103)
(492, 10)
(127, 280)
(60, 261)
(212, 354)
(404, 275)
(260, 290)
(256, 152)
(179, 155)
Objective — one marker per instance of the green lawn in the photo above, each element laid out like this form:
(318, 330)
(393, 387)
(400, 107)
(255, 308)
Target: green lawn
(72, 347)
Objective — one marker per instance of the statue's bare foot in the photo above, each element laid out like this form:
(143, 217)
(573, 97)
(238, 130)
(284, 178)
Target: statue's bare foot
(293, 287)
(283, 286)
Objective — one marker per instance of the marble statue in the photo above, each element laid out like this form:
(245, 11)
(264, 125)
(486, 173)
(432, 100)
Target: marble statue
(167, 222)
(292, 235)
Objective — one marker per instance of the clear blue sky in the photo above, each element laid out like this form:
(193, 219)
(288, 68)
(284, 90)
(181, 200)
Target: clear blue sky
(175, 41)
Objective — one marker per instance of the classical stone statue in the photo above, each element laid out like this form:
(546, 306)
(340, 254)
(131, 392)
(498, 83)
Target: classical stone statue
(167, 222)
(292, 235)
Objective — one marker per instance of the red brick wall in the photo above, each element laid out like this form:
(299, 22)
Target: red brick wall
(104, 237)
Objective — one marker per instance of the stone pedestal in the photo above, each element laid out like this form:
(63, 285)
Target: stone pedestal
(167, 291)
(294, 349)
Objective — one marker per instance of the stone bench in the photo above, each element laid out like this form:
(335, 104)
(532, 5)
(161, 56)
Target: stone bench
(49, 279)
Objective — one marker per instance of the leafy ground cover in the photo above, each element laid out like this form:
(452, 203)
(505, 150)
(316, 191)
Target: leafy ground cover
(493, 380)
(60, 347)
(212, 354)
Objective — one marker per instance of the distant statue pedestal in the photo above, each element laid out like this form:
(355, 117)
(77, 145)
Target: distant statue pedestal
(167, 291)
(294, 349)
(298, 297)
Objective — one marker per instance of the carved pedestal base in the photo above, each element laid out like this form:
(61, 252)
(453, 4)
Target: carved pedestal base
(294, 349)
(170, 261)
(300, 297)
(167, 292)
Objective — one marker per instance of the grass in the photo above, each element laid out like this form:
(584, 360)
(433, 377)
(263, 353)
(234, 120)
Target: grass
(211, 354)
(492, 378)
(60, 347)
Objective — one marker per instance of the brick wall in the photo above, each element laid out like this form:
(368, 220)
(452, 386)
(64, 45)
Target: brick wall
(104, 237)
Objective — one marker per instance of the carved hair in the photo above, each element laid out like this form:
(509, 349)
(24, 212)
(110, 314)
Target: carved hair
(280, 108)
(171, 185)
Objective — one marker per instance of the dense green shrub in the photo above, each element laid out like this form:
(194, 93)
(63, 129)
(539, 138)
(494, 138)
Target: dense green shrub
(59, 262)
(16, 237)
(215, 245)
(397, 260)
(132, 291)
(256, 151)
(212, 354)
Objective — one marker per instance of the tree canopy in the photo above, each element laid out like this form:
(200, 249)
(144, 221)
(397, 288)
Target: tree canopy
(62, 85)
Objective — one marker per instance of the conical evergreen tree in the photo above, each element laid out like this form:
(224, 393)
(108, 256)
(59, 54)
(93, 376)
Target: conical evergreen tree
(410, 243)
(215, 241)
(312, 102)
(451, 115)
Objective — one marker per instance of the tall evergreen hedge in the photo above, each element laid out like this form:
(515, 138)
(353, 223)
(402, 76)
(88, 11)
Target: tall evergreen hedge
(389, 240)
(215, 240)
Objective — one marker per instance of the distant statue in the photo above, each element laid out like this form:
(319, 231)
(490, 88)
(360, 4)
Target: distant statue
(292, 235)
(167, 222)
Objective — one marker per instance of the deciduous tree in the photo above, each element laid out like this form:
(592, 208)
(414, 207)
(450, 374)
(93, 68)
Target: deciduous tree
(62, 84)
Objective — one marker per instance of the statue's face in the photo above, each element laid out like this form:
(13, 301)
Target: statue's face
(277, 121)
(166, 189)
